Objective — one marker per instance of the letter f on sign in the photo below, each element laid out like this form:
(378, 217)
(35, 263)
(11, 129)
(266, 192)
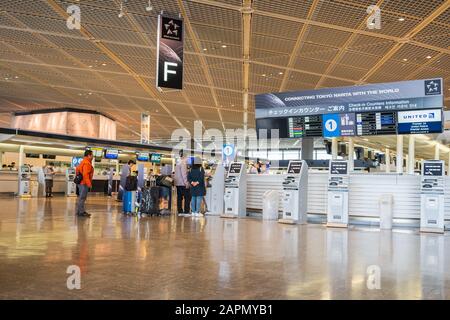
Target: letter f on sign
(166, 69)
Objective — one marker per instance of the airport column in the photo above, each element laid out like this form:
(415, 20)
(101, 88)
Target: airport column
(436, 151)
(399, 154)
(388, 160)
(21, 155)
(411, 155)
(351, 155)
(334, 148)
(448, 171)
(307, 149)
(1, 158)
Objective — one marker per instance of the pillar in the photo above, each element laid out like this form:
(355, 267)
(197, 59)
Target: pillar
(334, 148)
(411, 154)
(307, 149)
(21, 156)
(388, 160)
(399, 154)
(117, 167)
(448, 171)
(2, 153)
(436, 151)
(351, 155)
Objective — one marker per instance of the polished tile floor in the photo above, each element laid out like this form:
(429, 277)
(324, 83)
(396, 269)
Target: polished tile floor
(208, 258)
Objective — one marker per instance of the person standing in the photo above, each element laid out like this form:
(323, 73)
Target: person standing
(182, 184)
(196, 178)
(87, 171)
(166, 192)
(49, 172)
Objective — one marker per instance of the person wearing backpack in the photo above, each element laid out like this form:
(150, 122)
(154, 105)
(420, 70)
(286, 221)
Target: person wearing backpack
(85, 172)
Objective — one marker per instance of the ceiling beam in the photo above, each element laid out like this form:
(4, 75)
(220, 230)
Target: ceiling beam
(297, 46)
(414, 31)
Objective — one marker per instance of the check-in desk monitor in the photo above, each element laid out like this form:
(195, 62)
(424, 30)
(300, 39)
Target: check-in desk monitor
(71, 187)
(432, 196)
(295, 193)
(215, 193)
(235, 198)
(338, 179)
(24, 181)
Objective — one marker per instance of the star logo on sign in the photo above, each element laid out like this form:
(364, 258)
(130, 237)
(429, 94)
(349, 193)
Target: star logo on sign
(432, 86)
(171, 28)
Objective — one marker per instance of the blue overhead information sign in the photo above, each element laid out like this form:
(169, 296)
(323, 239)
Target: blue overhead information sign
(368, 109)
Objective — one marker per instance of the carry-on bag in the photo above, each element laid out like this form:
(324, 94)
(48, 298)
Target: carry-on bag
(129, 201)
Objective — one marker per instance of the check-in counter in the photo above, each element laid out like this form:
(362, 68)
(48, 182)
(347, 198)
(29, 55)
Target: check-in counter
(9, 182)
(364, 193)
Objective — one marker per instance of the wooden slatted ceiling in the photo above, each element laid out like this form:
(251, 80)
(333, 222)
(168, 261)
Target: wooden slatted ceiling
(295, 44)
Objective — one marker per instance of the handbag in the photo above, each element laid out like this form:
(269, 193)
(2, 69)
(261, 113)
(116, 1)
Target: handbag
(164, 181)
(78, 178)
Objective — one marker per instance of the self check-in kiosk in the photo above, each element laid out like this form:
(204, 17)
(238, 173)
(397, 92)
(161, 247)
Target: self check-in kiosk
(71, 187)
(338, 179)
(295, 193)
(432, 196)
(24, 181)
(215, 193)
(235, 198)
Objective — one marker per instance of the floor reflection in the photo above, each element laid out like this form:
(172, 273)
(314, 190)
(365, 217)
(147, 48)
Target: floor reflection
(205, 258)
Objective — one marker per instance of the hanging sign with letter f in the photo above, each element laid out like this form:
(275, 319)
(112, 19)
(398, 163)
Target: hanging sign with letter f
(169, 64)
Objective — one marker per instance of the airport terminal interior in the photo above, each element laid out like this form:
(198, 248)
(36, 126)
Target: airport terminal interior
(225, 149)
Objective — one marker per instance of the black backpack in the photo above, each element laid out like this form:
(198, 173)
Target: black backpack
(131, 183)
(78, 178)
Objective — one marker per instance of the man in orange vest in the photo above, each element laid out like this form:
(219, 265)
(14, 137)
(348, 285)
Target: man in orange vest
(87, 171)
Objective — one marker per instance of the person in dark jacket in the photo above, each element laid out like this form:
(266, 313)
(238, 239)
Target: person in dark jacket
(196, 178)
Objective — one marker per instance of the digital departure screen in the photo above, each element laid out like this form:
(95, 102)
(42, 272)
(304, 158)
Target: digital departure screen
(433, 169)
(235, 168)
(339, 167)
(376, 123)
(295, 167)
(305, 126)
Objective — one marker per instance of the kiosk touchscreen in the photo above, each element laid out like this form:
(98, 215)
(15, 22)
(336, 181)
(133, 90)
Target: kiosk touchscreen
(24, 181)
(235, 198)
(71, 187)
(432, 196)
(215, 193)
(338, 178)
(295, 193)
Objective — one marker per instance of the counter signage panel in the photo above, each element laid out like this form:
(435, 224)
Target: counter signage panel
(423, 121)
(235, 168)
(155, 158)
(433, 169)
(295, 167)
(338, 168)
(308, 126)
(142, 156)
(111, 154)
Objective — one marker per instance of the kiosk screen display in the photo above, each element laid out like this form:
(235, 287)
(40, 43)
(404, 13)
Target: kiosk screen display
(235, 168)
(295, 167)
(432, 169)
(338, 168)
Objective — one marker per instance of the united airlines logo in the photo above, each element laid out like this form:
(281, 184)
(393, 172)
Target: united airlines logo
(433, 87)
(423, 116)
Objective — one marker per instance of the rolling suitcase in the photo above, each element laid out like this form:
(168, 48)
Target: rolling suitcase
(129, 202)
